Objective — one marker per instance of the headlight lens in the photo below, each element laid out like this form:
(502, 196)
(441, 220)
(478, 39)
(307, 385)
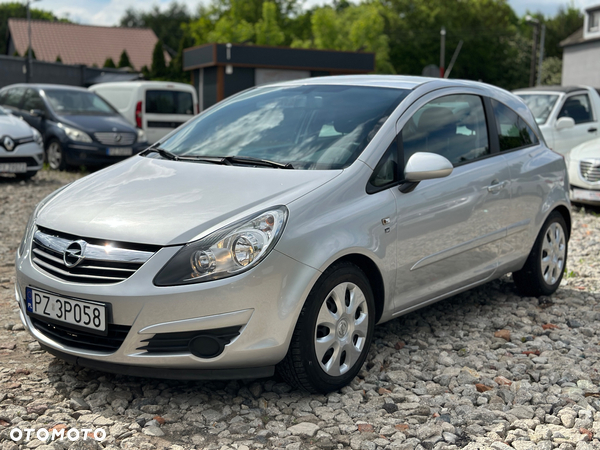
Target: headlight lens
(141, 136)
(226, 252)
(76, 135)
(37, 137)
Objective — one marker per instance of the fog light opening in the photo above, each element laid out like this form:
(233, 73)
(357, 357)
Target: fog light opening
(206, 346)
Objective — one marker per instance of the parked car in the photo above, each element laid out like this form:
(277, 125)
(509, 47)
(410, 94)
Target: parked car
(567, 116)
(277, 228)
(77, 126)
(583, 163)
(157, 107)
(21, 150)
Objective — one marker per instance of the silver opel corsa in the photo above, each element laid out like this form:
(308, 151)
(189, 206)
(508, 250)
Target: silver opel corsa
(278, 227)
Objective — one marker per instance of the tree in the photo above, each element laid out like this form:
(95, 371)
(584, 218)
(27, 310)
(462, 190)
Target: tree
(176, 72)
(58, 59)
(159, 66)
(109, 63)
(561, 26)
(27, 53)
(18, 10)
(268, 31)
(167, 25)
(124, 60)
(552, 71)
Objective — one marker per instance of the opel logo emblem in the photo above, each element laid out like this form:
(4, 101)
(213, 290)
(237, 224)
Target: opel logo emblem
(74, 253)
(118, 137)
(8, 143)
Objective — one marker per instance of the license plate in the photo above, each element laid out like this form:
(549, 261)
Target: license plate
(119, 151)
(81, 313)
(13, 167)
(582, 194)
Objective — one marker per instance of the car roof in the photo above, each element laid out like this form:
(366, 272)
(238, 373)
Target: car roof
(46, 86)
(143, 83)
(561, 89)
(389, 81)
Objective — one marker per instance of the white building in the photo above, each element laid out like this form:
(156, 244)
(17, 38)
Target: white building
(581, 52)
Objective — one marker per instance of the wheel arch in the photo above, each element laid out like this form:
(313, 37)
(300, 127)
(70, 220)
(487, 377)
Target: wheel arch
(371, 270)
(564, 211)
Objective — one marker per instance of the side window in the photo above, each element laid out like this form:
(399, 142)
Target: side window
(513, 132)
(386, 172)
(13, 97)
(453, 126)
(578, 108)
(32, 100)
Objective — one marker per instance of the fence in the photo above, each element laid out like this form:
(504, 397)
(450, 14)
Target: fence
(13, 70)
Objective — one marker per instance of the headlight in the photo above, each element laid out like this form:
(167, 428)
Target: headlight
(37, 137)
(141, 136)
(229, 251)
(75, 135)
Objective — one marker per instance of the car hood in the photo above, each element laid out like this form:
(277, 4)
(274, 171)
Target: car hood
(14, 127)
(154, 201)
(587, 150)
(94, 124)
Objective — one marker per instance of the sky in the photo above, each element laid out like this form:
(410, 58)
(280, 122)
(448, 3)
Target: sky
(109, 12)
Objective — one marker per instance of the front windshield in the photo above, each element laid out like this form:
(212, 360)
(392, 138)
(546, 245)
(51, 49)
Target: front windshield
(310, 127)
(540, 105)
(66, 101)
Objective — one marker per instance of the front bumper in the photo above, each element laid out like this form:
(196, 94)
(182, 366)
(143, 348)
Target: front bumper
(30, 153)
(264, 303)
(582, 190)
(94, 153)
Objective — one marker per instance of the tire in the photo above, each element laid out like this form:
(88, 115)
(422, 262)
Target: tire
(55, 155)
(322, 359)
(545, 266)
(25, 176)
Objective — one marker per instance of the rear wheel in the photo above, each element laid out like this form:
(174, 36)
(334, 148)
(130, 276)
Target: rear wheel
(545, 266)
(334, 332)
(56, 155)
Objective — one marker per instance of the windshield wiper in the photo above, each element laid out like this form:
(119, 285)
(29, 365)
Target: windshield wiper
(162, 152)
(258, 162)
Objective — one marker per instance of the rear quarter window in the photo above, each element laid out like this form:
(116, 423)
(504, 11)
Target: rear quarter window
(118, 98)
(169, 102)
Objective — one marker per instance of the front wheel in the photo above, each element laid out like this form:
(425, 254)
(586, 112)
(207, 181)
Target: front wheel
(334, 332)
(56, 155)
(545, 266)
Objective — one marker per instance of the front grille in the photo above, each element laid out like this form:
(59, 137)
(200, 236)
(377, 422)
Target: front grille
(82, 340)
(30, 161)
(102, 263)
(178, 342)
(115, 138)
(590, 170)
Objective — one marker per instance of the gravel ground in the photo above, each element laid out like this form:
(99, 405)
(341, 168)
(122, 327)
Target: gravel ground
(484, 369)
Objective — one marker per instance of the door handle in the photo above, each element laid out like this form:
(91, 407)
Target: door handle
(592, 130)
(496, 187)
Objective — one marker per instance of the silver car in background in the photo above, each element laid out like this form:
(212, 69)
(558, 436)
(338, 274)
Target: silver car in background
(278, 227)
(21, 147)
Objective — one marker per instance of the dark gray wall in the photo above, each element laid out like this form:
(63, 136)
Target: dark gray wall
(11, 71)
(209, 88)
(242, 78)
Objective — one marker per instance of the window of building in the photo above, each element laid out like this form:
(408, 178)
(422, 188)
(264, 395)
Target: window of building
(594, 21)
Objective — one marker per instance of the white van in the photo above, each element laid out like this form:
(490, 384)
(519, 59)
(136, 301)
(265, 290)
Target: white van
(157, 107)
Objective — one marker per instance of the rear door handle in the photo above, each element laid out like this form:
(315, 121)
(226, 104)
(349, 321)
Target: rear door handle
(592, 130)
(496, 187)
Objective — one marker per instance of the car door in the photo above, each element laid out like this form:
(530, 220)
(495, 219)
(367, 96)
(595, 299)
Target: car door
(451, 230)
(32, 101)
(579, 107)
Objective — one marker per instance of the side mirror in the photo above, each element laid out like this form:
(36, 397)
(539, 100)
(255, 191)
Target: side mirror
(426, 166)
(565, 122)
(37, 113)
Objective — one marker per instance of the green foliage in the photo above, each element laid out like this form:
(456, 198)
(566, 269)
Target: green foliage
(268, 31)
(559, 27)
(27, 53)
(228, 29)
(58, 59)
(176, 72)
(159, 66)
(124, 60)
(167, 24)
(18, 10)
(109, 63)
(552, 71)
